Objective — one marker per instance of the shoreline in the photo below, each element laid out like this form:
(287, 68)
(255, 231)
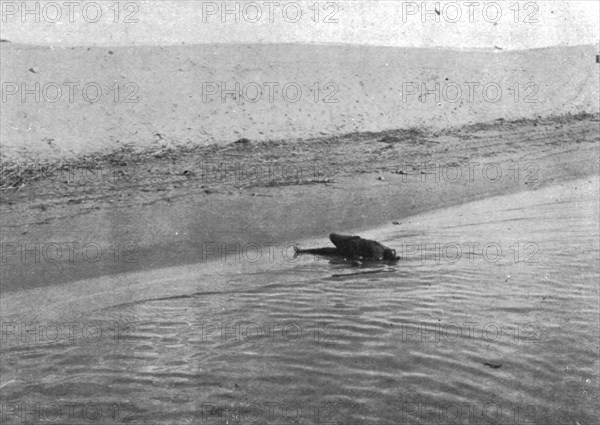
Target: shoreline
(170, 211)
(122, 164)
(102, 292)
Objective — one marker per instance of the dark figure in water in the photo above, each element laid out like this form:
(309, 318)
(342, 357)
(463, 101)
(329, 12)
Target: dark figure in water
(354, 248)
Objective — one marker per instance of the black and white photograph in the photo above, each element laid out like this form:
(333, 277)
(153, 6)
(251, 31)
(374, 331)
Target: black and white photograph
(306, 212)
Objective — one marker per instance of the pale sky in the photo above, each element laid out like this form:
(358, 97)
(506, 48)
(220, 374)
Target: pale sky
(483, 24)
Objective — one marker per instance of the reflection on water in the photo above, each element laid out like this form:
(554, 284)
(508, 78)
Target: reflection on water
(459, 331)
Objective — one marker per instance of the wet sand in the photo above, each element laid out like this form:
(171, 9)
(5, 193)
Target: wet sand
(164, 208)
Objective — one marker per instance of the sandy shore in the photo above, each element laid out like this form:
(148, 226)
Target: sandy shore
(142, 96)
(164, 207)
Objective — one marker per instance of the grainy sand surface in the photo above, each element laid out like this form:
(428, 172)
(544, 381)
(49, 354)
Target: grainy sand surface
(369, 91)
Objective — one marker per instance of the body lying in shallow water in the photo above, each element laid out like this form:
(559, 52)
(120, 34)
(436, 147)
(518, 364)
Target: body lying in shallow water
(354, 248)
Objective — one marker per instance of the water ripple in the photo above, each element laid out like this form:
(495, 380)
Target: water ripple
(427, 340)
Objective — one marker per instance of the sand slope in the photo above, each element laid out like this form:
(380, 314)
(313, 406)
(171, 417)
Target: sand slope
(172, 205)
(171, 109)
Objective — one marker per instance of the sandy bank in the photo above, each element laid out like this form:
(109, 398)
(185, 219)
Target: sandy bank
(172, 96)
(163, 208)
